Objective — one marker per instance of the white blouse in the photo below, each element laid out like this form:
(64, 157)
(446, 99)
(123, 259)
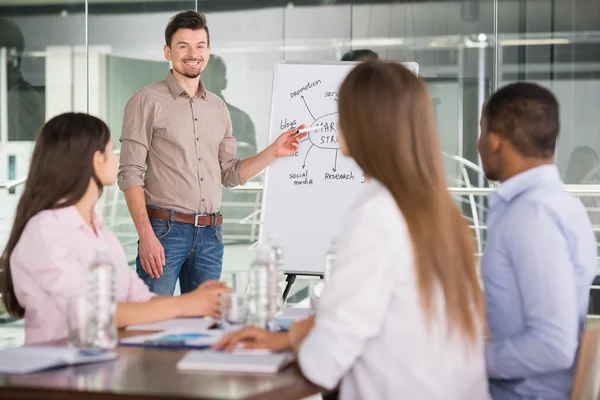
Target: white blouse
(370, 332)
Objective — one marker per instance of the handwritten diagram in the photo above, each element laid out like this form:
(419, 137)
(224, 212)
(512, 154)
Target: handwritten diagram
(325, 138)
(306, 196)
(318, 159)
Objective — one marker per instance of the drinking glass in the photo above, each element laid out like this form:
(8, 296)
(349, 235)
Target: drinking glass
(234, 311)
(78, 312)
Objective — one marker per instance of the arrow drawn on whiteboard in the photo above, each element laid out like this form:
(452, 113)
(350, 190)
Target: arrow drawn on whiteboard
(335, 165)
(311, 114)
(302, 141)
(304, 164)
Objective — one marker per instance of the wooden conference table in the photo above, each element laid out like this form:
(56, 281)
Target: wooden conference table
(143, 373)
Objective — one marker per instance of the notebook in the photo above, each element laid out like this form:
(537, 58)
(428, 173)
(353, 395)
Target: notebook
(238, 361)
(175, 339)
(28, 359)
(192, 324)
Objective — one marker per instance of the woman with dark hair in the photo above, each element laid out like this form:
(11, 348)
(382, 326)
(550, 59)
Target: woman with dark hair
(403, 314)
(56, 233)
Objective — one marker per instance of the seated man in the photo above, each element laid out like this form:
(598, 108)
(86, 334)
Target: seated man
(540, 257)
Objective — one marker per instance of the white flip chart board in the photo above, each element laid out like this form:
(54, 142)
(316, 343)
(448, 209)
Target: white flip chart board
(307, 195)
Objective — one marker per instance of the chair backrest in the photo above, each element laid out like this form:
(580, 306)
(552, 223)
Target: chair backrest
(587, 375)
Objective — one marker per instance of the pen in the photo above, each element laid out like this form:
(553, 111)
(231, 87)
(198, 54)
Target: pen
(312, 128)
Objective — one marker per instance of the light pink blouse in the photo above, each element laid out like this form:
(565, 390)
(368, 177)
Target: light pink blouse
(49, 265)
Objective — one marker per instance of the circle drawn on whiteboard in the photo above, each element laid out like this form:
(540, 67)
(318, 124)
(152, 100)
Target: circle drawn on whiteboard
(325, 138)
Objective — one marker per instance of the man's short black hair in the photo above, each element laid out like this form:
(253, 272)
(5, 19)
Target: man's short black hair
(359, 55)
(186, 20)
(12, 38)
(11, 35)
(527, 115)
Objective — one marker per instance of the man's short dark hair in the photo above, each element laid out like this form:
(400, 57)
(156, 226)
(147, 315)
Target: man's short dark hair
(12, 37)
(186, 20)
(527, 115)
(359, 55)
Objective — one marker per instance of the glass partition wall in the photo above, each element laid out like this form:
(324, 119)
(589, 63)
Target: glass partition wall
(93, 55)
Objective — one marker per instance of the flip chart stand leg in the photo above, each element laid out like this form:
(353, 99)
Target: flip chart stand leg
(290, 279)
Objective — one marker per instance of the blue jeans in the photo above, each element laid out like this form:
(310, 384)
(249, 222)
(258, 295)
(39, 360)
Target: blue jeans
(192, 254)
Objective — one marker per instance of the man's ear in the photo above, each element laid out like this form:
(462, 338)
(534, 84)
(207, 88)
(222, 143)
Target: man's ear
(496, 142)
(167, 51)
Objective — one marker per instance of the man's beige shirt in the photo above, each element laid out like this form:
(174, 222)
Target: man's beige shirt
(180, 149)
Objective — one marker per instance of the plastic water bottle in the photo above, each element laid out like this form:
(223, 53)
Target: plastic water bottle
(262, 296)
(277, 253)
(330, 261)
(277, 256)
(102, 303)
(316, 288)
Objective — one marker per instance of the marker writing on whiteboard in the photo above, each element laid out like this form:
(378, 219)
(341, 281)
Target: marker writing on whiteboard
(312, 128)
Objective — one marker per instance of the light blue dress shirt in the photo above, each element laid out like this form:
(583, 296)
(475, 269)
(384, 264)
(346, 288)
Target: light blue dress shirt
(539, 262)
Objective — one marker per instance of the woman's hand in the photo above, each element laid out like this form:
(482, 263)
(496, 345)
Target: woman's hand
(254, 338)
(205, 301)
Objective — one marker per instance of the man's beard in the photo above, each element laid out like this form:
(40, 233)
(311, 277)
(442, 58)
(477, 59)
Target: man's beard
(188, 74)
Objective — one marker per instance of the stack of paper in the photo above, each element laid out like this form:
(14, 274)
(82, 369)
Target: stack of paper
(262, 362)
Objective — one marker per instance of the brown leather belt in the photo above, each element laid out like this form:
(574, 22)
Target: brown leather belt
(196, 220)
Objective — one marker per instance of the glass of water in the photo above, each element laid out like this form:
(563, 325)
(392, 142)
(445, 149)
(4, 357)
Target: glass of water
(78, 312)
(237, 280)
(234, 311)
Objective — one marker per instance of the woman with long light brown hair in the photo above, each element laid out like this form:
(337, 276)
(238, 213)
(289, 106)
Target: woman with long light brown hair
(402, 316)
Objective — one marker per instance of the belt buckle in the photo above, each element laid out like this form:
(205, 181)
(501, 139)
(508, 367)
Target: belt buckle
(196, 222)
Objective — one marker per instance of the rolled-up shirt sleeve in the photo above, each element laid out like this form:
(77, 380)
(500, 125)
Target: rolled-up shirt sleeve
(136, 137)
(228, 160)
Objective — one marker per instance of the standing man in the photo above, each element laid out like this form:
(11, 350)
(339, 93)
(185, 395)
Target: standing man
(177, 150)
(540, 257)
